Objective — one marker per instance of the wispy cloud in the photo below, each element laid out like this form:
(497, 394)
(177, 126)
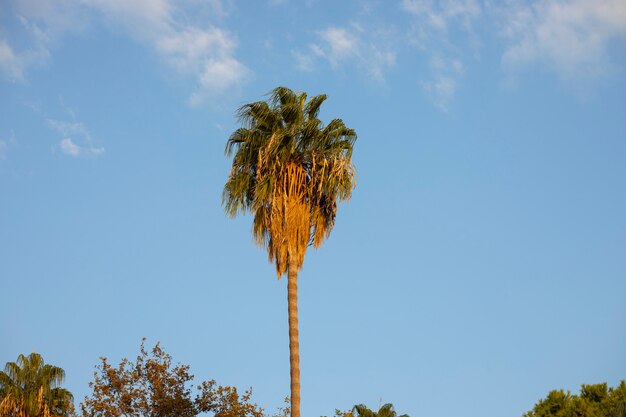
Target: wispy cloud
(6, 144)
(69, 148)
(435, 25)
(50, 20)
(206, 53)
(76, 140)
(444, 82)
(571, 37)
(441, 15)
(370, 51)
(11, 63)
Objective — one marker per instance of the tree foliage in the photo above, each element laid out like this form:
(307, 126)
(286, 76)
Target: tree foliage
(31, 388)
(290, 170)
(596, 400)
(154, 387)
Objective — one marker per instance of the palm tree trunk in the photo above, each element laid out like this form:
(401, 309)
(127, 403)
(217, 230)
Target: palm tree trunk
(294, 346)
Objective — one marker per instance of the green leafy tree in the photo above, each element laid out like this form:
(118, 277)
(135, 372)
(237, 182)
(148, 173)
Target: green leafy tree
(31, 388)
(289, 170)
(596, 400)
(153, 387)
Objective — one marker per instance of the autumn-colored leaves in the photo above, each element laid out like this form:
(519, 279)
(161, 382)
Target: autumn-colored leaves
(153, 386)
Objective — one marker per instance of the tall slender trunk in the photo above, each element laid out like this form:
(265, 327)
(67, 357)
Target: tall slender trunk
(294, 346)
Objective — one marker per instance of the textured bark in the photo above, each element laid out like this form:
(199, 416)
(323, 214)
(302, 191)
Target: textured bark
(294, 346)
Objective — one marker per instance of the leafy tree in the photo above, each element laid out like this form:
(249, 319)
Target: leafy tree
(596, 400)
(290, 171)
(31, 388)
(153, 387)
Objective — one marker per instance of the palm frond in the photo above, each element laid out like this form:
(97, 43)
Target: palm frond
(31, 388)
(312, 108)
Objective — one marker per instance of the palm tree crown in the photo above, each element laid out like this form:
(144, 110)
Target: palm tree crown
(290, 171)
(30, 388)
(386, 410)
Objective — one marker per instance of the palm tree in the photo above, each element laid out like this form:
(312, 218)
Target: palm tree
(29, 388)
(386, 410)
(290, 171)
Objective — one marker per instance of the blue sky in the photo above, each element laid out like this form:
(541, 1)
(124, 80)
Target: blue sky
(480, 263)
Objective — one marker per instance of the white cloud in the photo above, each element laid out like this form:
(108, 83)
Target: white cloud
(40, 24)
(573, 38)
(73, 132)
(304, 61)
(6, 145)
(68, 128)
(69, 148)
(570, 37)
(11, 64)
(369, 50)
(221, 74)
(53, 18)
(209, 55)
(440, 15)
(337, 44)
(144, 18)
(443, 31)
(443, 84)
(442, 90)
(205, 53)
(186, 49)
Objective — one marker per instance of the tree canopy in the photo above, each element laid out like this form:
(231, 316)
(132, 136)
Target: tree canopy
(154, 387)
(595, 400)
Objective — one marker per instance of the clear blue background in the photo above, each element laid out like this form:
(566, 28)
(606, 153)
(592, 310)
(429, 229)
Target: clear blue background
(480, 263)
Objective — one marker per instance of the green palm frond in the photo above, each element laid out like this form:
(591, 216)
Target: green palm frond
(30, 388)
(386, 410)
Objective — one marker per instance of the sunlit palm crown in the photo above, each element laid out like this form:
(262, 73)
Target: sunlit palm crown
(29, 388)
(290, 171)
